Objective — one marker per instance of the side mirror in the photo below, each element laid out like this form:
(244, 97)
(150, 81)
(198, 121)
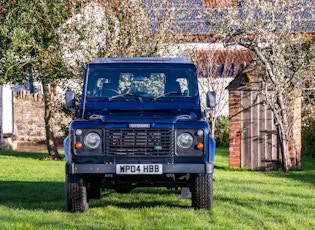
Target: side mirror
(70, 99)
(211, 99)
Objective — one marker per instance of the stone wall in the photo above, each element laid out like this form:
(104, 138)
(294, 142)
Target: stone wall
(29, 118)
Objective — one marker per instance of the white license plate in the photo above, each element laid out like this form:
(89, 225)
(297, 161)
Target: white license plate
(139, 169)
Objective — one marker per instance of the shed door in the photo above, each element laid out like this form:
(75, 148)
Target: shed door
(258, 134)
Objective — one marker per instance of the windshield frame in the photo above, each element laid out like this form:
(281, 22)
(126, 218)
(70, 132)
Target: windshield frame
(167, 74)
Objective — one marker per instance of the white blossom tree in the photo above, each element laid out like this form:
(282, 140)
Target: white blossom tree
(46, 39)
(274, 31)
(118, 28)
(216, 68)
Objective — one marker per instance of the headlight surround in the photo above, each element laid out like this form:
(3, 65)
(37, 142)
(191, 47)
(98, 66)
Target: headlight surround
(185, 140)
(92, 140)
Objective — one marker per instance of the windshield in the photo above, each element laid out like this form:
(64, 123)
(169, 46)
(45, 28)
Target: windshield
(142, 82)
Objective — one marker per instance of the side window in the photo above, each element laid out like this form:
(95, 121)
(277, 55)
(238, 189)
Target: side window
(99, 83)
(183, 85)
(99, 80)
(95, 86)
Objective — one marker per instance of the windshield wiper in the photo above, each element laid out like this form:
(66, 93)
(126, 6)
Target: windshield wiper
(125, 95)
(168, 93)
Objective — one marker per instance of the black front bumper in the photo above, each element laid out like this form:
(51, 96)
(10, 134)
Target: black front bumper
(73, 168)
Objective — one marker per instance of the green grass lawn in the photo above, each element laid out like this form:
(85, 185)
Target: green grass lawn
(32, 197)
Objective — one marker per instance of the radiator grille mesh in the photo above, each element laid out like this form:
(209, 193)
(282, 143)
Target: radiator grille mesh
(139, 142)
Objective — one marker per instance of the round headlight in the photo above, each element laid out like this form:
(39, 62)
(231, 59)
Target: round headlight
(200, 132)
(185, 140)
(78, 132)
(92, 140)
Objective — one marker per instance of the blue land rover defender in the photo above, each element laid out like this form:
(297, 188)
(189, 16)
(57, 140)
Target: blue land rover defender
(139, 124)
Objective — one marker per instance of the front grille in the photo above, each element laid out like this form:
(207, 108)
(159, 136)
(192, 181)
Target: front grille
(139, 142)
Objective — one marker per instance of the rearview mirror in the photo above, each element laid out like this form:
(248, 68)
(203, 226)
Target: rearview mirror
(70, 99)
(211, 99)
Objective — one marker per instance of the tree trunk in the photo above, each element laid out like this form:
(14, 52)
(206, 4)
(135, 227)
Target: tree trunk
(286, 164)
(284, 140)
(211, 120)
(50, 138)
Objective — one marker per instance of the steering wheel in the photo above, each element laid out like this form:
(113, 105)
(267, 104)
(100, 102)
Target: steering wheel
(112, 90)
(101, 92)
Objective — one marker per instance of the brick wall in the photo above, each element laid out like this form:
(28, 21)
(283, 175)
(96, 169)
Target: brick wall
(296, 136)
(235, 127)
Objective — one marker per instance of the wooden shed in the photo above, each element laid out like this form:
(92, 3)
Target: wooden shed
(252, 131)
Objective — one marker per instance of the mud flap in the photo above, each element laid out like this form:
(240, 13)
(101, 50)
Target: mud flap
(185, 193)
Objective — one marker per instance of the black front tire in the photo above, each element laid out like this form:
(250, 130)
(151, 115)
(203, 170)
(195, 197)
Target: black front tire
(76, 194)
(202, 191)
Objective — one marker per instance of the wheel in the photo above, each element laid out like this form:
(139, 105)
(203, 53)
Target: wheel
(76, 194)
(202, 191)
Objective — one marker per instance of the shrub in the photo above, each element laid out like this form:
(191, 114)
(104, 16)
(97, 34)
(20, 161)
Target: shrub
(221, 133)
(308, 131)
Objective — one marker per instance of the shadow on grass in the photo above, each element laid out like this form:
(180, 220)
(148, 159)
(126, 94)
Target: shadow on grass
(40, 155)
(50, 196)
(46, 196)
(32, 155)
(305, 175)
(140, 204)
(143, 198)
